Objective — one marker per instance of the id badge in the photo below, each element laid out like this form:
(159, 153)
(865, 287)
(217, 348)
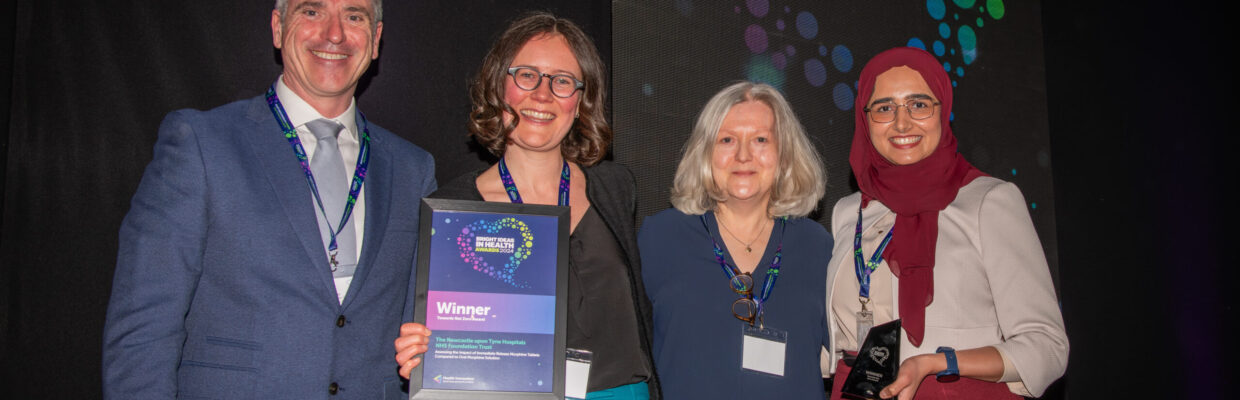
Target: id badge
(577, 376)
(763, 349)
(865, 321)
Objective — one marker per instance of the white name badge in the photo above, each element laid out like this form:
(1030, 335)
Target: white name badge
(577, 376)
(763, 349)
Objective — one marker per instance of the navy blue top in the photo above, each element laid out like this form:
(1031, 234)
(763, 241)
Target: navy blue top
(697, 341)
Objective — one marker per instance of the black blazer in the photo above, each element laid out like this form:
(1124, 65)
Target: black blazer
(611, 190)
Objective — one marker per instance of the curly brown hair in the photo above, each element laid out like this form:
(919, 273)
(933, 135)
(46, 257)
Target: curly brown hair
(590, 135)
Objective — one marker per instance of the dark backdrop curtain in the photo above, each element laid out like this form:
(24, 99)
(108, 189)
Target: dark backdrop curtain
(1140, 97)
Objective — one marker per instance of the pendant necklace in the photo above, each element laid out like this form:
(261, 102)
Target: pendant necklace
(748, 246)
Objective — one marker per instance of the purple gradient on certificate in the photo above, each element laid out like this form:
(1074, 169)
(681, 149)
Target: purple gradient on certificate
(490, 312)
(490, 302)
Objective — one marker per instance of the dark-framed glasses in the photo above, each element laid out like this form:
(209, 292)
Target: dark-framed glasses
(562, 85)
(745, 308)
(918, 109)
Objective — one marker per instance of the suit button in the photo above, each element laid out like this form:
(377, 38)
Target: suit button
(333, 388)
(340, 321)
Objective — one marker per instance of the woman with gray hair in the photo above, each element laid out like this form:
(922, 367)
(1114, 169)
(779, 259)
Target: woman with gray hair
(724, 328)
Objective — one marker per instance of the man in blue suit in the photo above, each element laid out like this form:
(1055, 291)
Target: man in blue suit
(250, 265)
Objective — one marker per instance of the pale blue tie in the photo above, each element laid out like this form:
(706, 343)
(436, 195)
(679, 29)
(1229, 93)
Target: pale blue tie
(329, 176)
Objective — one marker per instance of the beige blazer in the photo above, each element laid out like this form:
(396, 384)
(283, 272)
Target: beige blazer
(992, 286)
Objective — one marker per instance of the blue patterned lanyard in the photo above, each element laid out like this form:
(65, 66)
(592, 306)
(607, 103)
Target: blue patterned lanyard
(772, 272)
(511, 187)
(359, 172)
(865, 268)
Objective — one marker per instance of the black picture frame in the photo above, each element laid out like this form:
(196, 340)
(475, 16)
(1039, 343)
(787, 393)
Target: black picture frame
(433, 210)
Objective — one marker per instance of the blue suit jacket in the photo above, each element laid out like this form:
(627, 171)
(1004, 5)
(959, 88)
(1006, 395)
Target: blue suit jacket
(221, 287)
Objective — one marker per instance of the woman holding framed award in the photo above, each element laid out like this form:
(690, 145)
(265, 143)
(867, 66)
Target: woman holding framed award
(735, 273)
(538, 104)
(935, 243)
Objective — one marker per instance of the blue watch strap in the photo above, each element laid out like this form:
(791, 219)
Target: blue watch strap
(952, 373)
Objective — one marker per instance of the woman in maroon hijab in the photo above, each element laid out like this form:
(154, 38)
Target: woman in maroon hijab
(934, 242)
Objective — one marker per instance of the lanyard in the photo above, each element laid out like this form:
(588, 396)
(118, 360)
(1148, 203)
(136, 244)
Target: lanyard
(865, 268)
(772, 272)
(359, 171)
(511, 187)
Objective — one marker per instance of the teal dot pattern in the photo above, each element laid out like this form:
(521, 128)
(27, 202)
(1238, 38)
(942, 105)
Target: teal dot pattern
(958, 43)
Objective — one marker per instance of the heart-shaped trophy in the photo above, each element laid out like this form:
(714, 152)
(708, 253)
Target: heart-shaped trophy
(877, 363)
(496, 248)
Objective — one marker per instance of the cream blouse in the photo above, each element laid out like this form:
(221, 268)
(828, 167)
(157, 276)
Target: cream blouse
(992, 286)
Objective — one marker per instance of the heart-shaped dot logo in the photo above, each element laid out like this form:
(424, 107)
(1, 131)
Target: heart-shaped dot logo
(496, 248)
(879, 355)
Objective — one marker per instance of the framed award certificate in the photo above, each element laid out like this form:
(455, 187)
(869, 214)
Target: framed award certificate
(491, 286)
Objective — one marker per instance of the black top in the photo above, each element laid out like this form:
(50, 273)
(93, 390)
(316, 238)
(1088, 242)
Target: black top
(610, 189)
(598, 293)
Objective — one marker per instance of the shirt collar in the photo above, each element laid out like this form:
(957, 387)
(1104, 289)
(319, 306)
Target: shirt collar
(300, 112)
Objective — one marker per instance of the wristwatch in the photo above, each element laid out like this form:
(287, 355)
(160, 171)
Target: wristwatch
(952, 373)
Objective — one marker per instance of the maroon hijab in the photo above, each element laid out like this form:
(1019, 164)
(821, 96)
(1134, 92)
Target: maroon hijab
(916, 192)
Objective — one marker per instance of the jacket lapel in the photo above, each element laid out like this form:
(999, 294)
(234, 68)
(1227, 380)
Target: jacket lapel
(277, 161)
(378, 189)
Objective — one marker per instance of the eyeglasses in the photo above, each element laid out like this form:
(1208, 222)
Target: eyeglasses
(745, 308)
(528, 79)
(918, 109)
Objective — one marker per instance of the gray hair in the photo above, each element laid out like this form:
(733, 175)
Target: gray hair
(800, 180)
(377, 5)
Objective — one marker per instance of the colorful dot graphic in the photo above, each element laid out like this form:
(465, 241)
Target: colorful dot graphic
(995, 8)
(815, 73)
(807, 25)
(775, 31)
(503, 227)
(757, 7)
(936, 8)
(915, 42)
(968, 43)
(958, 39)
(762, 69)
(842, 58)
(755, 38)
(843, 96)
